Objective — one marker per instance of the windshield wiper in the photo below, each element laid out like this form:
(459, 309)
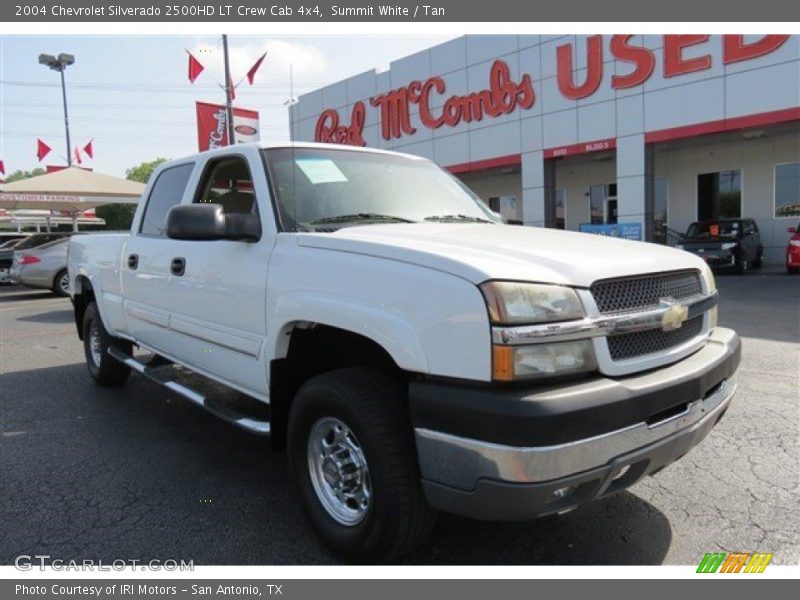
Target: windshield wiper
(360, 217)
(460, 218)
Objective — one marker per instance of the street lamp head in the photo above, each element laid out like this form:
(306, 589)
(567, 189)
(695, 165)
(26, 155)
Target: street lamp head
(48, 60)
(57, 63)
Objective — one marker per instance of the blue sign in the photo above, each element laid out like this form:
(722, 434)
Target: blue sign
(627, 231)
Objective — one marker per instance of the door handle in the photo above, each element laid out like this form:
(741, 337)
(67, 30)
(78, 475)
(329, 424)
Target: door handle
(133, 261)
(178, 266)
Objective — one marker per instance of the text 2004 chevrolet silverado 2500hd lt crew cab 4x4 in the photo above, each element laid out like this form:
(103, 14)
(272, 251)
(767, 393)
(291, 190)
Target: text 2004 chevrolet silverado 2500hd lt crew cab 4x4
(416, 353)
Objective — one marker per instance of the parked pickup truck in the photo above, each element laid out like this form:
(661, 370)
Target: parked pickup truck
(416, 353)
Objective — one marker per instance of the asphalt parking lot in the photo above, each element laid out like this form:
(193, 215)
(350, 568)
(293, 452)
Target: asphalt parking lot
(137, 473)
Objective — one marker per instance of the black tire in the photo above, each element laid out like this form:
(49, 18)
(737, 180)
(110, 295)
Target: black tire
(372, 406)
(759, 261)
(105, 370)
(792, 270)
(61, 283)
(742, 265)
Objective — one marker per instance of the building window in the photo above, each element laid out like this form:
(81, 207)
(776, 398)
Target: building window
(560, 209)
(660, 201)
(719, 195)
(505, 206)
(787, 190)
(603, 203)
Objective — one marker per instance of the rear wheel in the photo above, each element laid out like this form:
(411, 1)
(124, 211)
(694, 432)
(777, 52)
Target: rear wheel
(96, 341)
(61, 283)
(352, 455)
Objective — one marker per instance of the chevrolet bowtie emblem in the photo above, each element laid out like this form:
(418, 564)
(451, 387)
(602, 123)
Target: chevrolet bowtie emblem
(675, 314)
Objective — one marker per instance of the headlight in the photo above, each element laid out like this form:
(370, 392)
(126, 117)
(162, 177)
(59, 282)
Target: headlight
(729, 245)
(511, 363)
(510, 302)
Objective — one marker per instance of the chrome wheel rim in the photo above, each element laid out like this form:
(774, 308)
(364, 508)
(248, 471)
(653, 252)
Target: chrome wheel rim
(63, 283)
(339, 471)
(95, 346)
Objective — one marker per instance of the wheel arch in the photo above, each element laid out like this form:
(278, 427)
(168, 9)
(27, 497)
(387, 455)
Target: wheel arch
(310, 348)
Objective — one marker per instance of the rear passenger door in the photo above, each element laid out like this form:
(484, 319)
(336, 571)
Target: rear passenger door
(145, 268)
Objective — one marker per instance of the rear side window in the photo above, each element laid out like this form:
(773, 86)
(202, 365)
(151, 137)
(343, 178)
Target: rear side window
(166, 193)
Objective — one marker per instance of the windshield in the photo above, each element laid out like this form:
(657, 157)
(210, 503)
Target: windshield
(712, 230)
(324, 189)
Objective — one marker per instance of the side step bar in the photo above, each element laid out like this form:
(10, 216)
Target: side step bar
(238, 419)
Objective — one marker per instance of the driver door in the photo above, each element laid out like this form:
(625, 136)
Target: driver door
(217, 289)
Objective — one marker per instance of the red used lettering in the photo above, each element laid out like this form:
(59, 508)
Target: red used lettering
(594, 70)
(328, 129)
(642, 57)
(734, 49)
(674, 63)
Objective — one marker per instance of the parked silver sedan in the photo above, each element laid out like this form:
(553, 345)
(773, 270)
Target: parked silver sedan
(43, 267)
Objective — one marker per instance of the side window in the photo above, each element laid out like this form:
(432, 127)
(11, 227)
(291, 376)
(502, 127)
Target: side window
(166, 193)
(227, 182)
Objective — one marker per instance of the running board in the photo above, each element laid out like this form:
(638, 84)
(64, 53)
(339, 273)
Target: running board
(247, 423)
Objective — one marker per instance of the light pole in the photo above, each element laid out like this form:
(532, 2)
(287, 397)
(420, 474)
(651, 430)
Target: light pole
(60, 63)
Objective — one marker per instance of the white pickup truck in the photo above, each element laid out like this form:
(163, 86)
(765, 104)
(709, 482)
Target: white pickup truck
(416, 353)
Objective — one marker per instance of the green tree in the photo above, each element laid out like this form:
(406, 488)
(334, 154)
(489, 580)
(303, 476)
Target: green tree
(120, 216)
(142, 172)
(19, 174)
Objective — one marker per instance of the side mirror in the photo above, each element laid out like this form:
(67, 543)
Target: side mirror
(207, 222)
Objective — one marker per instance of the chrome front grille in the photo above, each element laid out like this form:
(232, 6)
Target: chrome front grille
(640, 343)
(644, 291)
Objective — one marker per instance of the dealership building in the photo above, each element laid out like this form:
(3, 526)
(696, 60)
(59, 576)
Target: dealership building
(612, 133)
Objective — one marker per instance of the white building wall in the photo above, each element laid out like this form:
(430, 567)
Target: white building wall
(756, 158)
(628, 116)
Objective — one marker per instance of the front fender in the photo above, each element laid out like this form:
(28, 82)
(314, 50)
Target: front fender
(390, 331)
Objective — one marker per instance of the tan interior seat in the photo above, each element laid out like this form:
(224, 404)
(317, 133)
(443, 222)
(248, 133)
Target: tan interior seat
(236, 202)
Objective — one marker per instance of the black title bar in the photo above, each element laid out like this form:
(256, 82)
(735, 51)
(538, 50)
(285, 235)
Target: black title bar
(232, 11)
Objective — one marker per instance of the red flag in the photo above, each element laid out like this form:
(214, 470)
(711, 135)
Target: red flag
(78, 156)
(2, 167)
(42, 149)
(195, 68)
(251, 74)
(88, 149)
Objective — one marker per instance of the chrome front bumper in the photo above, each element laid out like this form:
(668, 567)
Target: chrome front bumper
(513, 454)
(461, 462)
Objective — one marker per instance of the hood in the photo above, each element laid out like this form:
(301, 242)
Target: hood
(478, 252)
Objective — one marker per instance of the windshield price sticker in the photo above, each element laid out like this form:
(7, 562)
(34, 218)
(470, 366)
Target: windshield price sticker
(320, 170)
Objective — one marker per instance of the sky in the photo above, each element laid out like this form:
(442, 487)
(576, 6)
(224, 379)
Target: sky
(132, 97)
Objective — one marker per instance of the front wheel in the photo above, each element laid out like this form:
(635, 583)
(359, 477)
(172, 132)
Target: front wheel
(741, 266)
(96, 341)
(759, 261)
(352, 454)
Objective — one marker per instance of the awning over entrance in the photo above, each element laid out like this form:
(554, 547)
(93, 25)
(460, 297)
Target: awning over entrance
(69, 191)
